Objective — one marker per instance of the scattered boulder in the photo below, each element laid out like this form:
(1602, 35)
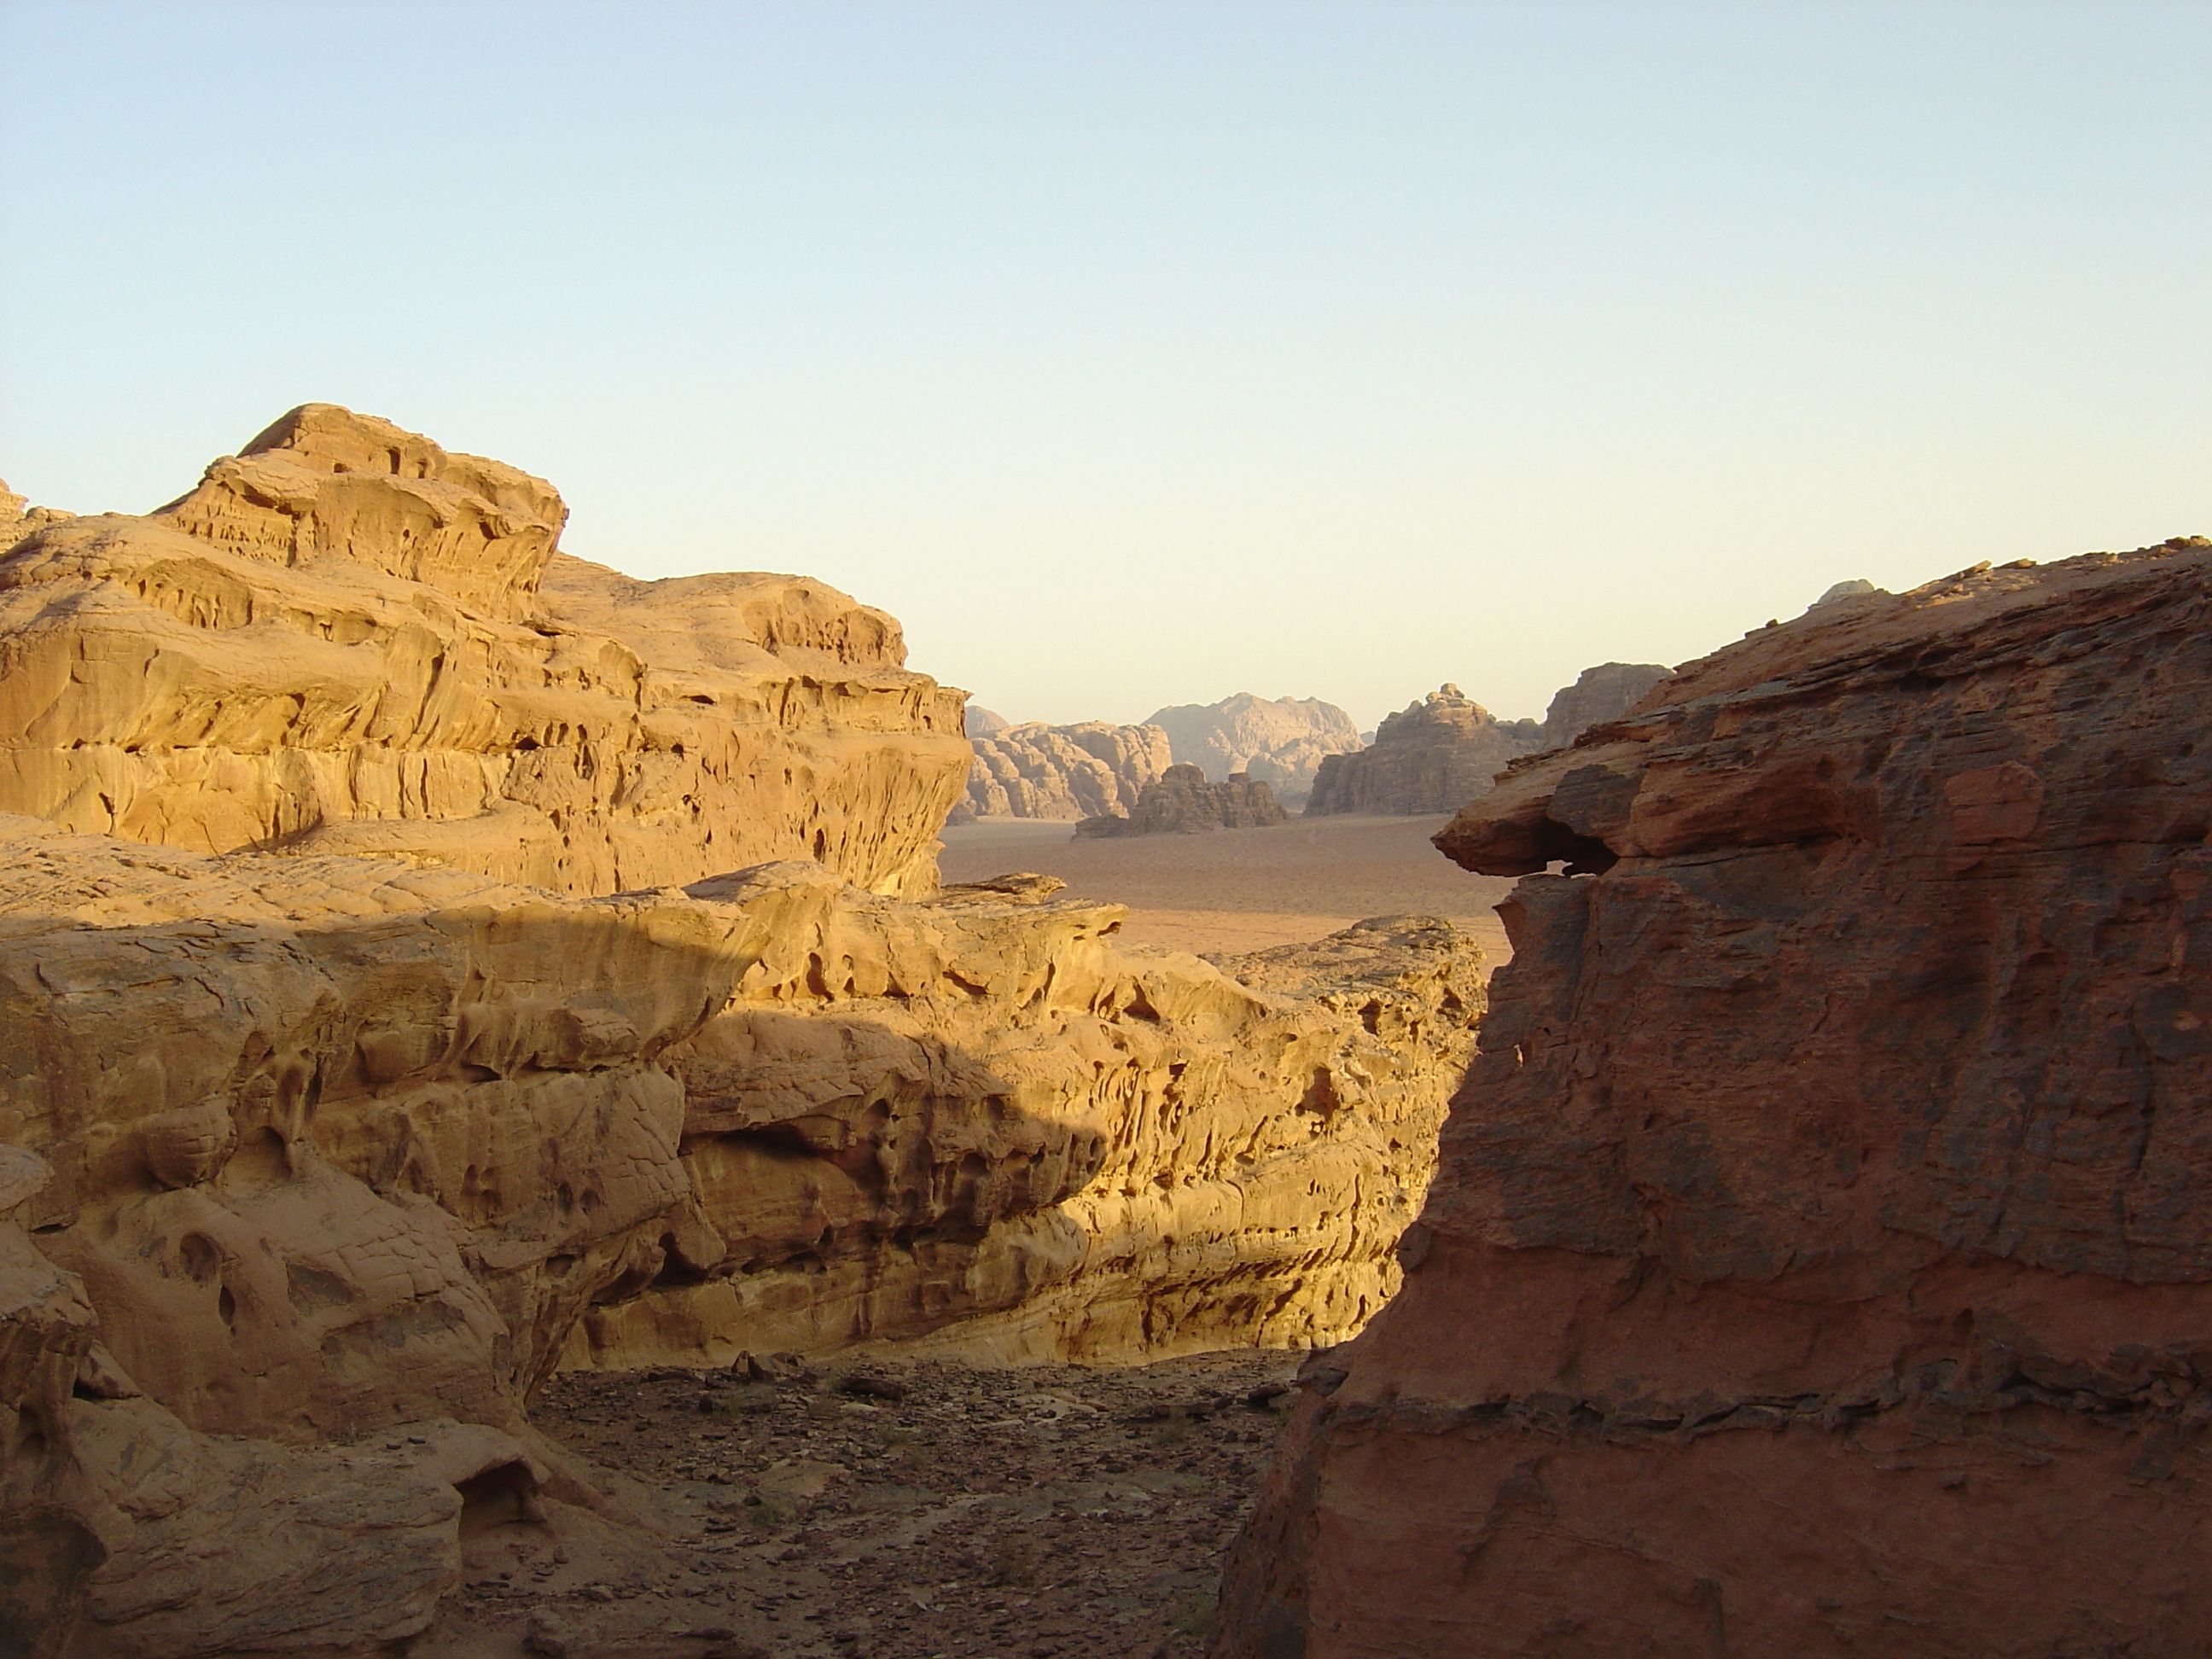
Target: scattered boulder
(1277, 741)
(1433, 755)
(1820, 1255)
(1062, 772)
(1181, 802)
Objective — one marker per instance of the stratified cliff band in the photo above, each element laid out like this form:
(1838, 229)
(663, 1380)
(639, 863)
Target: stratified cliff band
(1819, 1261)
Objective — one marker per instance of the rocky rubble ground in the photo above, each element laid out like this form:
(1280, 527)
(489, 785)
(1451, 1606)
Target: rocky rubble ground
(901, 1511)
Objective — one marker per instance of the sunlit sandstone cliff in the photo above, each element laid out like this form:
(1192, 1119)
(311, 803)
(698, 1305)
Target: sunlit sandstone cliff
(1820, 1260)
(347, 639)
(313, 1165)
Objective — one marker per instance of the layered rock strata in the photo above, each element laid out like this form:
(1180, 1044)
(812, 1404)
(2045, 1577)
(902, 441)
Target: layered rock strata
(1277, 741)
(1433, 755)
(1063, 772)
(1820, 1258)
(347, 638)
(1601, 694)
(305, 1150)
(1181, 802)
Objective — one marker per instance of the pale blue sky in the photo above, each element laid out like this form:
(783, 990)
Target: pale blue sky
(1142, 353)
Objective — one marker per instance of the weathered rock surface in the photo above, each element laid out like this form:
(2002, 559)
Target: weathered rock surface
(18, 518)
(1181, 802)
(339, 1145)
(1820, 1258)
(1277, 741)
(347, 639)
(1432, 756)
(1064, 772)
(1601, 694)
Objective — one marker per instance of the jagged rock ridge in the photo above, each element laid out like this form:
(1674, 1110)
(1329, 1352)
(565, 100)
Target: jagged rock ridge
(1181, 802)
(1820, 1260)
(1277, 741)
(348, 640)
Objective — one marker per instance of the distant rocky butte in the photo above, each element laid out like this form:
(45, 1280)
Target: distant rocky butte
(1433, 755)
(1064, 772)
(978, 722)
(1598, 695)
(1181, 802)
(312, 1166)
(347, 638)
(1819, 1259)
(1277, 741)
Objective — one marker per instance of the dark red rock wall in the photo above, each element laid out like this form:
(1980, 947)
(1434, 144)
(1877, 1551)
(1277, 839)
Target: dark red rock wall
(1820, 1259)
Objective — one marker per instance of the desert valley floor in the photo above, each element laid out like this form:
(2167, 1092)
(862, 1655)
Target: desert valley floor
(1245, 889)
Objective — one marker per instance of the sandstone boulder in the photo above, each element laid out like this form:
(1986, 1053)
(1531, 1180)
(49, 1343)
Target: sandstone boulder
(1064, 772)
(1820, 1258)
(1181, 802)
(347, 639)
(1432, 756)
(1277, 741)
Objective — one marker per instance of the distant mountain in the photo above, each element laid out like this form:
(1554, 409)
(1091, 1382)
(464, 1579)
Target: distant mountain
(1279, 741)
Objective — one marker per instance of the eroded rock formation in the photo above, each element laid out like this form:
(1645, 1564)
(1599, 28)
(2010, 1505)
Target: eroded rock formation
(1598, 695)
(1432, 756)
(1181, 802)
(1820, 1258)
(1064, 772)
(18, 518)
(348, 640)
(1277, 741)
(313, 1164)
(306, 1148)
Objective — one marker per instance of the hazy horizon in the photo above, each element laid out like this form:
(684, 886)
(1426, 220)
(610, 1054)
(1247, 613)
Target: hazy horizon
(1134, 354)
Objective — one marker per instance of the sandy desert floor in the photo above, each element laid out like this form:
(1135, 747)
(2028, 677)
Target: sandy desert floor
(1244, 889)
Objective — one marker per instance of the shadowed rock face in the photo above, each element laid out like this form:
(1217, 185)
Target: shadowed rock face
(302, 1150)
(1820, 1260)
(348, 640)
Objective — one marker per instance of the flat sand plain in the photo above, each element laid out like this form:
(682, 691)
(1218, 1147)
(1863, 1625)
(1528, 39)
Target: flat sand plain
(1244, 889)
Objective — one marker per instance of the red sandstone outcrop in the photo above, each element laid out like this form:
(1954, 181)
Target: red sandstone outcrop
(347, 639)
(1277, 741)
(1601, 694)
(1819, 1261)
(1064, 772)
(1181, 802)
(1432, 756)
